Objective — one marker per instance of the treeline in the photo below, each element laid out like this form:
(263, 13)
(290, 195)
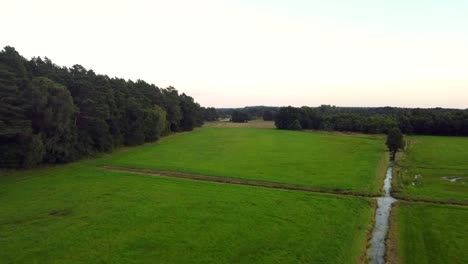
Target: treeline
(210, 114)
(52, 114)
(434, 121)
(248, 113)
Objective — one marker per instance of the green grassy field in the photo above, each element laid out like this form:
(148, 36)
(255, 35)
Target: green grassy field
(325, 160)
(428, 164)
(427, 233)
(79, 214)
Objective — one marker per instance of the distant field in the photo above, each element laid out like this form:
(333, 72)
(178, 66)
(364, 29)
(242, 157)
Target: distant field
(434, 168)
(79, 214)
(428, 233)
(250, 124)
(330, 161)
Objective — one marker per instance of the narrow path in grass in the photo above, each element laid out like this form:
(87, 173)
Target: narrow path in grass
(272, 185)
(429, 201)
(430, 168)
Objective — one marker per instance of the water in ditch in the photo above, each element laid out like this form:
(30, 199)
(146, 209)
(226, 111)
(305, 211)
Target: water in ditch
(376, 250)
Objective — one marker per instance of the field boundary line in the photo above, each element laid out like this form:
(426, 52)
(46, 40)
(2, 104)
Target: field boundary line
(270, 185)
(423, 200)
(236, 181)
(430, 168)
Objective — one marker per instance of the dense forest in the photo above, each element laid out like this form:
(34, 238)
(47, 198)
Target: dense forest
(248, 113)
(434, 121)
(52, 114)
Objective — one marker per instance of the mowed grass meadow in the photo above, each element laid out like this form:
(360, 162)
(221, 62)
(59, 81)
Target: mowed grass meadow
(434, 168)
(83, 213)
(80, 214)
(330, 161)
(429, 233)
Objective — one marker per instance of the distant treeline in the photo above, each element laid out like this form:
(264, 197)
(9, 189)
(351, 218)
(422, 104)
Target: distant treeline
(434, 121)
(52, 114)
(248, 113)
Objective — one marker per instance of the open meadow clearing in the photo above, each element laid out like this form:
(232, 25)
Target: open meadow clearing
(434, 168)
(428, 233)
(83, 212)
(330, 161)
(80, 214)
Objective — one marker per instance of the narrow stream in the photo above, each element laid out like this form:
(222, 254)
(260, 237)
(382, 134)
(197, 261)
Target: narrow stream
(376, 251)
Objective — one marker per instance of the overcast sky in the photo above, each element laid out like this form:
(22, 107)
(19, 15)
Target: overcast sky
(410, 53)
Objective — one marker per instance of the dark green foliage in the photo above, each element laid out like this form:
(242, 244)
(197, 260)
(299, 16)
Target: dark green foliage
(286, 116)
(210, 114)
(295, 125)
(172, 106)
(239, 117)
(254, 112)
(52, 117)
(52, 114)
(21, 150)
(19, 147)
(154, 122)
(436, 121)
(394, 141)
(268, 115)
(134, 132)
(192, 115)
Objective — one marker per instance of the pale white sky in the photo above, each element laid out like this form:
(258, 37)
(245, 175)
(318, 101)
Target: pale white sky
(258, 52)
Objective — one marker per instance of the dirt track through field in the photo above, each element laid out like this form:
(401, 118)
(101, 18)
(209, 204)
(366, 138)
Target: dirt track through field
(431, 168)
(271, 185)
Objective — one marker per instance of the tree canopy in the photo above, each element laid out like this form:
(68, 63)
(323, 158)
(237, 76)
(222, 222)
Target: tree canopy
(268, 115)
(253, 112)
(238, 116)
(435, 121)
(53, 114)
(394, 141)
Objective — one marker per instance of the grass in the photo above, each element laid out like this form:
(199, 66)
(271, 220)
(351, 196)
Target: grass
(427, 233)
(330, 161)
(79, 214)
(426, 162)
